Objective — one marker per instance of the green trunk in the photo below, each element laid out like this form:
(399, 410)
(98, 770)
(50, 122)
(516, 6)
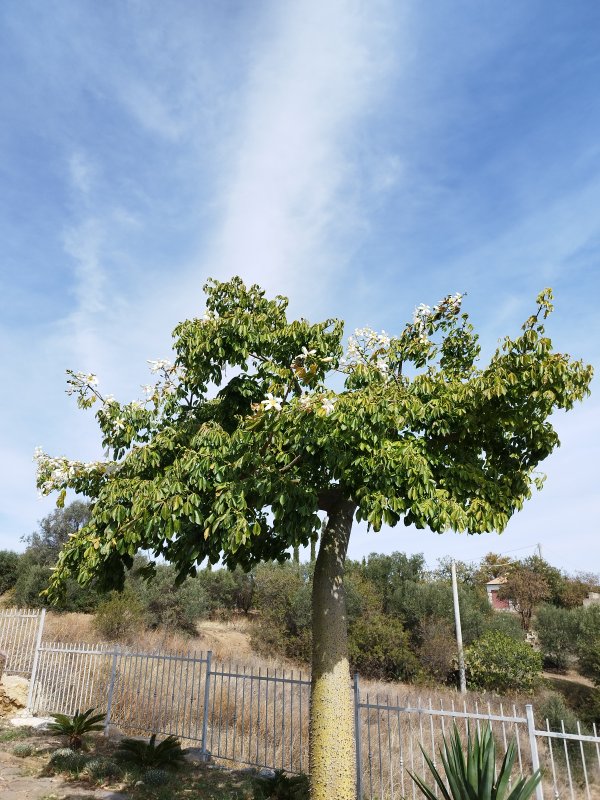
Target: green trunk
(332, 754)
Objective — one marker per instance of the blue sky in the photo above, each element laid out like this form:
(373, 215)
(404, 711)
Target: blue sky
(359, 157)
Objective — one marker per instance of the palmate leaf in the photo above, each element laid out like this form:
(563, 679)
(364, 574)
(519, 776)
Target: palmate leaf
(472, 778)
(149, 754)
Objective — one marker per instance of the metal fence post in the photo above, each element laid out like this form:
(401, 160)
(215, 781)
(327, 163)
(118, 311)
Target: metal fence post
(36, 658)
(203, 749)
(357, 739)
(111, 689)
(535, 759)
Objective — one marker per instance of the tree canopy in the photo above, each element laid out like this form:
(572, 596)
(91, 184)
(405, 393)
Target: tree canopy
(237, 466)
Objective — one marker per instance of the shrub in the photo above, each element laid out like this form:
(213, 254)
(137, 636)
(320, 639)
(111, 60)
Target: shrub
(476, 776)
(506, 623)
(66, 759)
(101, 768)
(9, 570)
(557, 630)
(77, 726)
(283, 597)
(379, 648)
(437, 652)
(147, 755)
(589, 643)
(498, 663)
(166, 604)
(415, 602)
(120, 617)
(22, 750)
(554, 709)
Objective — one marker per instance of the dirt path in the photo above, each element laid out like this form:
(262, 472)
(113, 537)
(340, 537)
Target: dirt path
(571, 677)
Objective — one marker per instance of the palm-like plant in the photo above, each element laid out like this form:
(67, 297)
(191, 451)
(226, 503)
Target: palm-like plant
(146, 755)
(473, 777)
(77, 726)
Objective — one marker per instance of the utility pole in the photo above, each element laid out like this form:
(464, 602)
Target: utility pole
(459, 642)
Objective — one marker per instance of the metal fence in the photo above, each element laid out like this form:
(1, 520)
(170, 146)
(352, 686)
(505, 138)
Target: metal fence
(234, 713)
(390, 733)
(20, 633)
(260, 717)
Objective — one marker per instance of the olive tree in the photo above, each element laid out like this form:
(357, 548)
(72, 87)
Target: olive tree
(261, 423)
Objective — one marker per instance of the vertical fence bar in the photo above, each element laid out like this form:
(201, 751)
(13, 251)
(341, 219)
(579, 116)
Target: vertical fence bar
(36, 659)
(111, 689)
(206, 702)
(535, 759)
(357, 737)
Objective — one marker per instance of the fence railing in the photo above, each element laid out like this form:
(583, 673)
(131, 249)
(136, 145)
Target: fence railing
(260, 717)
(20, 632)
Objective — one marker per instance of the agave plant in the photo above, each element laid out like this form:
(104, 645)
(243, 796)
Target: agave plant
(77, 726)
(473, 777)
(148, 755)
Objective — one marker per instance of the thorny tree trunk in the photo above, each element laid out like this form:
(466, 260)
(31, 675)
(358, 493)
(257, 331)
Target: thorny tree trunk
(332, 757)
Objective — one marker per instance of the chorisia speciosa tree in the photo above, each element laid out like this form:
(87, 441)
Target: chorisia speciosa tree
(261, 423)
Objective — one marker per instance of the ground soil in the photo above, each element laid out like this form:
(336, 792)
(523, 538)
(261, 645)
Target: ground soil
(23, 778)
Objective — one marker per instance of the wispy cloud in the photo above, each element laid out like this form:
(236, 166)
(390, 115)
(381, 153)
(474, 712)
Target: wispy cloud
(286, 196)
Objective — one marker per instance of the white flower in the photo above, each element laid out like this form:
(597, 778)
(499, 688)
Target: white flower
(382, 366)
(272, 402)
(421, 313)
(91, 379)
(109, 399)
(305, 401)
(148, 390)
(156, 366)
(328, 404)
(119, 423)
(305, 354)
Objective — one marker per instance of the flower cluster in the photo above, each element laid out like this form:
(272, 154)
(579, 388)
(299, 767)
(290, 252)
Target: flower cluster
(368, 346)
(54, 474)
(160, 364)
(365, 341)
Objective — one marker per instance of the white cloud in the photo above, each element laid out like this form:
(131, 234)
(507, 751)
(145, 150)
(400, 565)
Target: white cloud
(285, 197)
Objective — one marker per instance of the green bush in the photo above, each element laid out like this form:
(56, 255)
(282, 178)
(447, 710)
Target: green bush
(557, 630)
(149, 755)
(102, 768)
(165, 604)
(379, 648)
(498, 663)
(283, 599)
(589, 642)
(120, 617)
(555, 711)
(9, 570)
(414, 602)
(509, 624)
